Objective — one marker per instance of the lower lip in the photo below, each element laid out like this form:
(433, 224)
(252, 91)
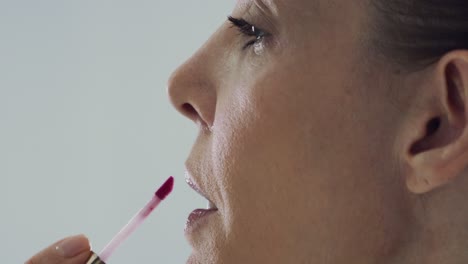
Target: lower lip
(197, 218)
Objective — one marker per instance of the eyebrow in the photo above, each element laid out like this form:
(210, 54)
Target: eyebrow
(267, 6)
(269, 13)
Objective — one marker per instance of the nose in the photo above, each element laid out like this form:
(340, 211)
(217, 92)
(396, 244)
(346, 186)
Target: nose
(191, 89)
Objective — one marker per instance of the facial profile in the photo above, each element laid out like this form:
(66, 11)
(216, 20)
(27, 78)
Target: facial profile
(316, 146)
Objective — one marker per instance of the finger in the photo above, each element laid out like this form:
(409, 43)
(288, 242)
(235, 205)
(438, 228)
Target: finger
(71, 250)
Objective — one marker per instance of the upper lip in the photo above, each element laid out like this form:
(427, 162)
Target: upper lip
(192, 183)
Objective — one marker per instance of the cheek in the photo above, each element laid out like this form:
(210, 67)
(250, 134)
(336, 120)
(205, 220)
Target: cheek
(257, 153)
(265, 142)
(292, 155)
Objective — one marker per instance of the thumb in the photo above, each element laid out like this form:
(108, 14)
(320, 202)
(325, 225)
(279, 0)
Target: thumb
(71, 250)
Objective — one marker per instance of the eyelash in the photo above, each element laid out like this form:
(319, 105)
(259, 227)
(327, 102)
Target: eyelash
(248, 29)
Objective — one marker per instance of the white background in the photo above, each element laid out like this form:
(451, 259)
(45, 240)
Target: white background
(86, 130)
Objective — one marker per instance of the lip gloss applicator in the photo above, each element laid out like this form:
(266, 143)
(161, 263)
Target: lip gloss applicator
(135, 222)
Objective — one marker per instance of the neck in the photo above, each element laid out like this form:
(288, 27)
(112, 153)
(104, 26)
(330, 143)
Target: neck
(439, 233)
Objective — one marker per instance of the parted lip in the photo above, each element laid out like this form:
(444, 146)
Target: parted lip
(192, 183)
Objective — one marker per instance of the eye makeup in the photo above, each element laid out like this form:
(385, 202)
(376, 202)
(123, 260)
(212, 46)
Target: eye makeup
(256, 34)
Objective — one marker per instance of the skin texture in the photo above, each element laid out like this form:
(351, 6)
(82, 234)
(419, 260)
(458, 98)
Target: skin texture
(315, 153)
(70, 250)
(293, 158)
(315, 150)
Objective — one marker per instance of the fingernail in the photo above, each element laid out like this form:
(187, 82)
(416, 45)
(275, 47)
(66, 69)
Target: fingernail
(72, 246)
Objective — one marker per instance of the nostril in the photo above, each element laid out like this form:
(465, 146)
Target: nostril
(189, 111)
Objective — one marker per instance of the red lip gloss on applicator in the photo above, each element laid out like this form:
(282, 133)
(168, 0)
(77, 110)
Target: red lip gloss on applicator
(135, 222)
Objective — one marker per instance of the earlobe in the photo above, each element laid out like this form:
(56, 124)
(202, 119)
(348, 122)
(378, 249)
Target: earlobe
(438, 153)
(432, 159)
(434, 168)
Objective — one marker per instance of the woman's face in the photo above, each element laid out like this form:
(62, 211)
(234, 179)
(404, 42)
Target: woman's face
(295, 142)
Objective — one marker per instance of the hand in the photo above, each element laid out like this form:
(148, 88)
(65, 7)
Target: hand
(71, 250)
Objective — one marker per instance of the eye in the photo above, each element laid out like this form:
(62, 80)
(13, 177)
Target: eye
(249, 30)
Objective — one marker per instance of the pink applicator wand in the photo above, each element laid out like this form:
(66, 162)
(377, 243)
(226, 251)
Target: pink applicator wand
(135, 222)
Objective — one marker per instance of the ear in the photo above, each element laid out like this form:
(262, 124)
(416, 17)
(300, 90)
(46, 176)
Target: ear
(437, 146)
